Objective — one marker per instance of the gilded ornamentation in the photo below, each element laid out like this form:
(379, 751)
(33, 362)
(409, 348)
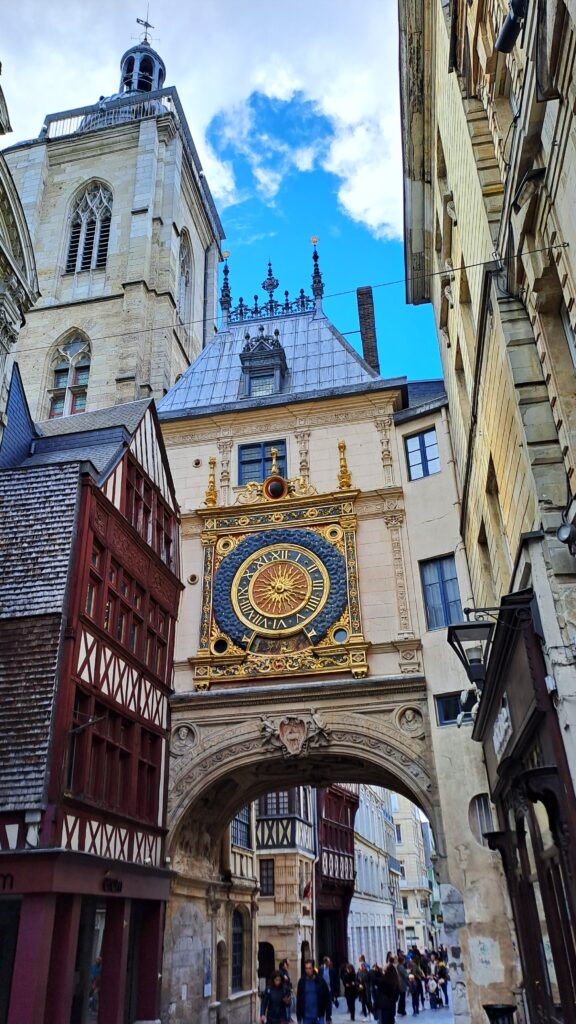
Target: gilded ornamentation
(280, 600)
(344, 478)
(211, 497)
(295, 735)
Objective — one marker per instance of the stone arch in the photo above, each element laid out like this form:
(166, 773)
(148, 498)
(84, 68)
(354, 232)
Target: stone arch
(238, 765)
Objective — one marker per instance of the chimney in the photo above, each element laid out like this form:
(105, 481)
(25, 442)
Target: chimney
(368, 327)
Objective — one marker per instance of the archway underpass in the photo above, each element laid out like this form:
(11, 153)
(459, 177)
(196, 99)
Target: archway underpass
(230, 747)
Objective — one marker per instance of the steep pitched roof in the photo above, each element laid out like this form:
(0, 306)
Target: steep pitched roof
(320, 363)
(28, 668)
(37, 525)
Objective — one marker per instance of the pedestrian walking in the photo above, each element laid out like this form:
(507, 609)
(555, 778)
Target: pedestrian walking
(415, 994)
(443, 977)
(403, 984)
(330, 975)
(275, 1003)
(385, 992)
(313, 999)
(364, 994)
(350, 989)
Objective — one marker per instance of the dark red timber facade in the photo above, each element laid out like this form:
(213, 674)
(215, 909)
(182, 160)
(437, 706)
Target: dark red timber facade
(89, 596)
(336, 808)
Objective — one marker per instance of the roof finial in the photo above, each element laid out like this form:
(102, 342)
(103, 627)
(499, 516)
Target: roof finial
(270, 285)
(344, 478)
(225, 295)
(317, 283)
(211, 496)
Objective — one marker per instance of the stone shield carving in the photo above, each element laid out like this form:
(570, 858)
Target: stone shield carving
(294, 735)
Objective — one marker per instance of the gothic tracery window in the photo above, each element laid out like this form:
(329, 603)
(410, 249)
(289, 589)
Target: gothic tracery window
(184, 296)
(69, 384)
(90, 230)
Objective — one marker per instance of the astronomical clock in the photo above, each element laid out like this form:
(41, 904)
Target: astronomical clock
(280, 583)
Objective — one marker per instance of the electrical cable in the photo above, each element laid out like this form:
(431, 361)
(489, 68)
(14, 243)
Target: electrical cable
(330, 295)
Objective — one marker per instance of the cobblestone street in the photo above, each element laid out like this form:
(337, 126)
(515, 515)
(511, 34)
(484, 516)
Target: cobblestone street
(441, 1016)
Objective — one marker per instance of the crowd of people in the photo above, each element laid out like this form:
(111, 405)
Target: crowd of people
(407, 979)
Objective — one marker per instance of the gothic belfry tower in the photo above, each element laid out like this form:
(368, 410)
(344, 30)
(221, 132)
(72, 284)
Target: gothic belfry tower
(127, 242)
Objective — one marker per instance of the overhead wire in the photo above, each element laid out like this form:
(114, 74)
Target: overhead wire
(331, 295)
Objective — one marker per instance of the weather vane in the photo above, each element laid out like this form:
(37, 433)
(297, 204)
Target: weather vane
(145, 24)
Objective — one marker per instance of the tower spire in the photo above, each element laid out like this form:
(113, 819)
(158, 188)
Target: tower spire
(317, 282)
(225, 295)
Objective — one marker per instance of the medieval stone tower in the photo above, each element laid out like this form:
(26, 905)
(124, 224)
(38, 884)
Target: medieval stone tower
(127, 242)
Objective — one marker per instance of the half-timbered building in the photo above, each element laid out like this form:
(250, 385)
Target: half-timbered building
(337, 806)
(88, 601)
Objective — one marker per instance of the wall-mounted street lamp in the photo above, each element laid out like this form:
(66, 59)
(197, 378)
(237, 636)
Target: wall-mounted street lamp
(512, 26)
(471, 641)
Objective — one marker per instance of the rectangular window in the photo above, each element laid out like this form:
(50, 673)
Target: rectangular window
(405, 904)
(255, 461)
(568, 331)
(56, 407)
(422, 454)
(398, 833)
(448, 708)
(441, 592)
(261, 384)
(266, 877)
(241, 829)
(148, 514)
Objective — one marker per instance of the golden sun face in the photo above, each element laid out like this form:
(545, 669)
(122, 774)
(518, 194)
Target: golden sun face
(280, 588)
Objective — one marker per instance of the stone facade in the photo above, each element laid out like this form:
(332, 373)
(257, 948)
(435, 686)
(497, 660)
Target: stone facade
(381, 728)
(415, 887)
(372, 919)
(18, 280)
(489, 180)
(146, 307)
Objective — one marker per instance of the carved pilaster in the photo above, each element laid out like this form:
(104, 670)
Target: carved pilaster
(303, 439)
(225, 450)
(383, 426)
(394, 520)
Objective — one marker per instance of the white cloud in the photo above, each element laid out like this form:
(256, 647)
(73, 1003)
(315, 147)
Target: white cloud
(340, 59)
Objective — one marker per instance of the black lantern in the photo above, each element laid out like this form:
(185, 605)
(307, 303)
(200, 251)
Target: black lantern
(512, 27)
(471, 642)
(499, 1013)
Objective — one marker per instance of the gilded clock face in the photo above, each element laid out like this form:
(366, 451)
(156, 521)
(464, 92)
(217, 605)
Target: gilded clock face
(280, 589)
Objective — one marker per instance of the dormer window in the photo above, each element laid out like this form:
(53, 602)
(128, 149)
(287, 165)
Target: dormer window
(261, 384)
(264, 366)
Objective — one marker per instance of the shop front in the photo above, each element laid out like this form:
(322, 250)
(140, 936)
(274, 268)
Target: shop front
(80, 939)
(531, 788)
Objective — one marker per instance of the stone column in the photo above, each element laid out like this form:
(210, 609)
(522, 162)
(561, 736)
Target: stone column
(224, 445)
(383, 426)
(394, 521)
(303, 439)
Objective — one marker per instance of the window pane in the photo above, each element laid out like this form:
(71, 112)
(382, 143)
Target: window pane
(61, 377)
(413, 444)
(56, 408)
(81, 374)
(263, 385)
(78, 403)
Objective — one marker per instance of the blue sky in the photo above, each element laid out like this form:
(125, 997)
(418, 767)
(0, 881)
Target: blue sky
(279, 227)
(294, 111)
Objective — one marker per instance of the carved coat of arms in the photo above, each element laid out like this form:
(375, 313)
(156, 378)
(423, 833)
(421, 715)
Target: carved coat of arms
(294, 735)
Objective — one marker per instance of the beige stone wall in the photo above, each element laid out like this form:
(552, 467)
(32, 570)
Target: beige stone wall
(127, 310)
(400, 524)
(285, 919)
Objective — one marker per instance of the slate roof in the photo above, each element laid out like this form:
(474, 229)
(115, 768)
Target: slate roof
(37, 525)
(127, 415)
(321, 363)
(28, 667)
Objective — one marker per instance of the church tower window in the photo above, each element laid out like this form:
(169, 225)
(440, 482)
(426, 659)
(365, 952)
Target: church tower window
(184, 297)
(90, 230)
(70, 374)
